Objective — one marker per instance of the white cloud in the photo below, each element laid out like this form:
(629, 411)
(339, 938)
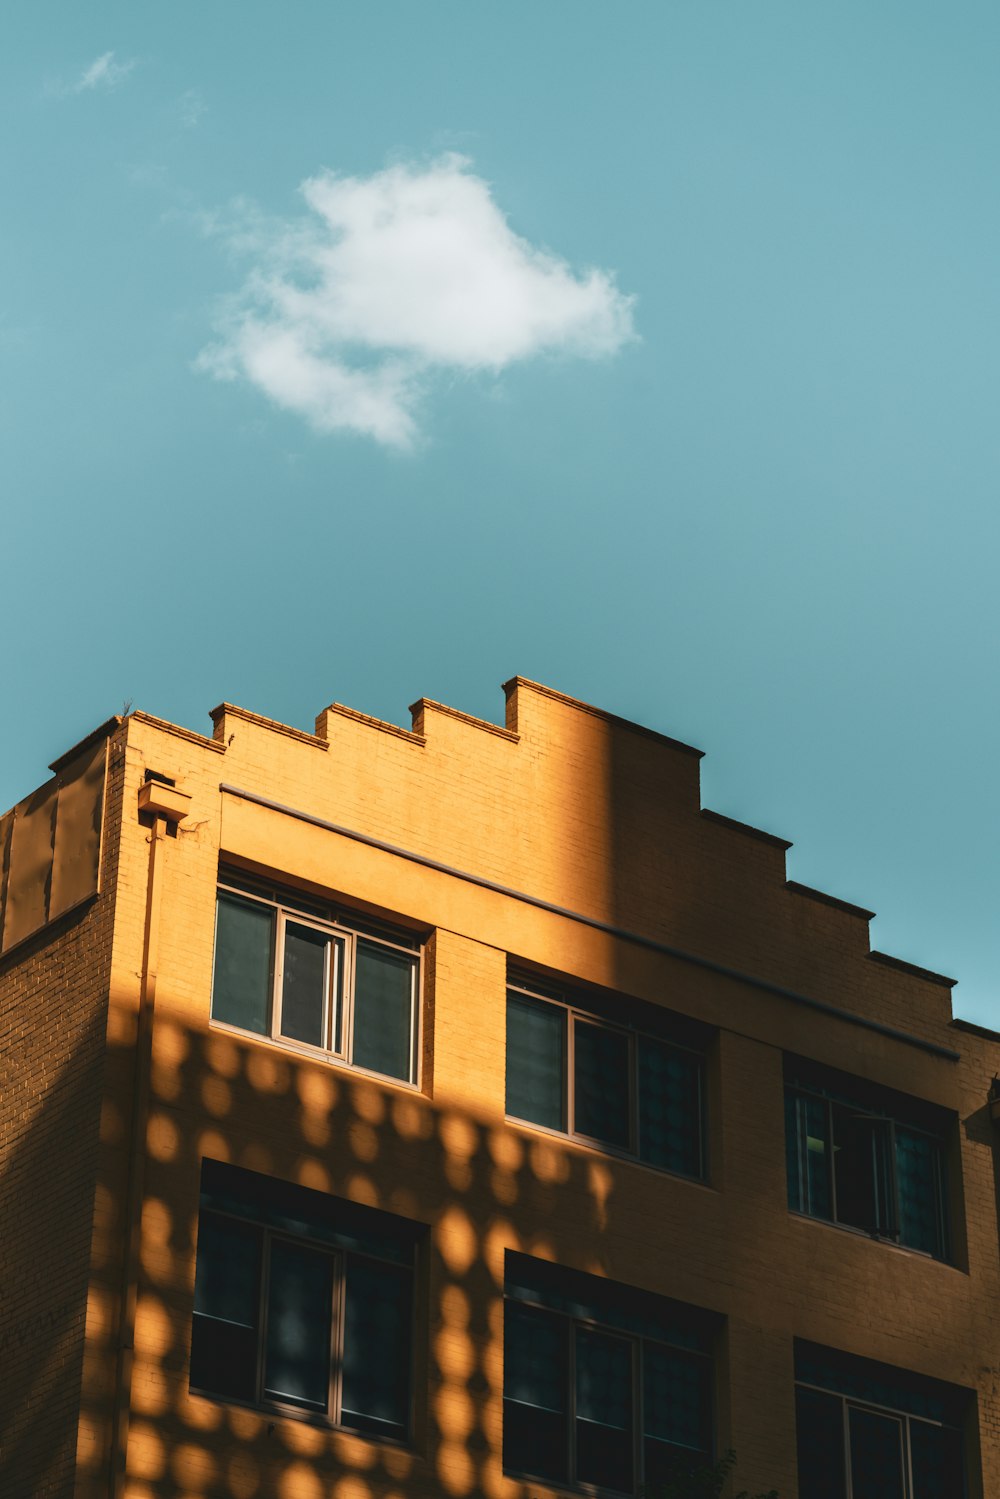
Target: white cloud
(348, 312)
(104, 72)
(191, 108)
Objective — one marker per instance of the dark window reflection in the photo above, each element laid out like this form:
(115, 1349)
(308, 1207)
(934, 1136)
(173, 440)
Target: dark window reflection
(244, 958)
(536, 1062)
(305, 986)
(383, 1002)
(299, 1304)
(535, 1387)
(376, 1393)
(604, 1422)
(226, 1307)
(601, 1076)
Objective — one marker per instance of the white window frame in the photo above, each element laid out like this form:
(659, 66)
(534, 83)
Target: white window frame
(849, 1403)
(346, 938)
(637, 1342)
(332, 1416)
(888, 1226)
(633, 1036)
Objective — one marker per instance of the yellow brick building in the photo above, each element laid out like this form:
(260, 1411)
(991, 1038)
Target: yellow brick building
(465, 1111)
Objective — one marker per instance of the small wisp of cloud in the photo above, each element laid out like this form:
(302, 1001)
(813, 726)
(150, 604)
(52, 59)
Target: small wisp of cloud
(347, 313)
(191, 109)
(105, 72)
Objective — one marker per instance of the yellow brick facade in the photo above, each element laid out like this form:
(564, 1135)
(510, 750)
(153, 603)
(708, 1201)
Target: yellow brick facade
(569, 844)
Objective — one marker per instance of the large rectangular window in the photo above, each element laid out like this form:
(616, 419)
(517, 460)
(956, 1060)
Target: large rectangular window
(604, 1386)
(636, 1093)
(302, 1303)
(312, 979)
(869, 1431)
(865, 1158)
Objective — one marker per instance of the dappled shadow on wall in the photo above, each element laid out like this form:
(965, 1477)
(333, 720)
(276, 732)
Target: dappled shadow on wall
(472, 1186)
(41, 1309)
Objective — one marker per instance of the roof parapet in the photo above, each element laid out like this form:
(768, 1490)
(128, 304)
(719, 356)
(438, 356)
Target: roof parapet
(514, 684)
(425, 705)
(745, 827)
(225, 711)
(324, 725)
(830, 900)
(913, 969)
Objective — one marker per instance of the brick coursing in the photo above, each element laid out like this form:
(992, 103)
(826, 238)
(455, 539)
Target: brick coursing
(576, 809)
(53, 1008)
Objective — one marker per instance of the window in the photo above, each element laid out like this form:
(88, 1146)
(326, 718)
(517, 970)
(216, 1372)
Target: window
(636, 1093)
(867, 1159)
(603, 1385)
(309, 979)
(868, 1431)
(302, 1303)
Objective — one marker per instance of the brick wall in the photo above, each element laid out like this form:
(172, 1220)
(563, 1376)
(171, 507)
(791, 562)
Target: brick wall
(53, 1002)
(579, 810)
(594, 816)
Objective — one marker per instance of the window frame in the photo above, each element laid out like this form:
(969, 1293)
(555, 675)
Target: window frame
(636, 1342)
(574, 1013)
(884, 1182)
(346, 936)
(331, 1418)
(905, 1418)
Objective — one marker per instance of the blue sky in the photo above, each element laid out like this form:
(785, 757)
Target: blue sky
(740, 485)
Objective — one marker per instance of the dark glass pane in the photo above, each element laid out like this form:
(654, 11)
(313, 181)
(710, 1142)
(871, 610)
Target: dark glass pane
(876, 1455)
(536, 1067)
(937, 1465)
(226, 1308)
(809, 1154)
(669, 1107)
(377, 1351)
(593, 1298)
(304, 1213)
(663, 1464)
(536, 1394)
(855, 1168)
(244, 944)
(601, 1084)
(819, 1430)
(870, 1383)
(793, 1152)
(304, 984)
(605, 1434)
(299, 1297)
(383, 1000)
(917, 1183)
(676, 1397)
(814, 1117)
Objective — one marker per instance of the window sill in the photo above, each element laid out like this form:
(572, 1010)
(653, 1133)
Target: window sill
(272, 1414)
(860, 1233)
(311, 1054)
(594, 1147)
(569, 1488)
(592, 1491)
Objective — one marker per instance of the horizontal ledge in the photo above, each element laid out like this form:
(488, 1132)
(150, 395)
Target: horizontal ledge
(745, 827)
(423, 703)
(830, 900)
(230, 710)
(765, 985)
(178, 731)
(610, 718)
(974, 1029)
(913, 968)
(103, 731)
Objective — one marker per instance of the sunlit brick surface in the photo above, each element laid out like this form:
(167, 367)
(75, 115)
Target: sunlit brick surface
(575, 809)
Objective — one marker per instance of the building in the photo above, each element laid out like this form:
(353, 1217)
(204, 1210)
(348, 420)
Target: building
(465, 1111)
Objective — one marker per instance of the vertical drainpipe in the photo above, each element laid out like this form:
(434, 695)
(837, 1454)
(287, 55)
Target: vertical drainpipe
(162, 806)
